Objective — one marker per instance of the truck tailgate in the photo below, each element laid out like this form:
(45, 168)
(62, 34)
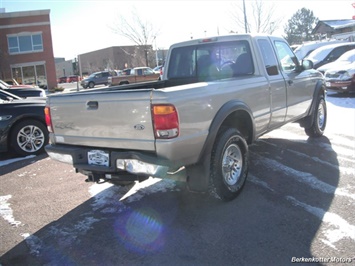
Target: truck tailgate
(115, 119)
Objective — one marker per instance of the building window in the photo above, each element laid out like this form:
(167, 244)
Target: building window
(30, 74)
(28, 43)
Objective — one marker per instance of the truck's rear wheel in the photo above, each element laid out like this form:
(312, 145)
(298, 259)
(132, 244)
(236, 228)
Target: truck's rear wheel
(229, 164)
(320, 119)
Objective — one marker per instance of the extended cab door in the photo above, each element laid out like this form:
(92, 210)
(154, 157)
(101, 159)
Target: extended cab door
(277, 84)
(299, 86)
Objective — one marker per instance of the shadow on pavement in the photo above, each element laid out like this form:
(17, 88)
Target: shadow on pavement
(18, 162)
(163, 224)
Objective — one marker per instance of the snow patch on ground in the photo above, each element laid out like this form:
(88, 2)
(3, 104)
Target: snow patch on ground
(6, 211)
(305, 177)
(336, 227)
(13, 160)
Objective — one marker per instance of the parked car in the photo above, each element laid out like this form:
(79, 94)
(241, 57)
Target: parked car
(158, 69)
(71, 79)
(62, 79)
(341, 78)
(97, 78)
(22, 124)
(344, 60)
(12, 82)
(329, 53)
(119, 72)
(306, 48)
(126, 71)
(15, 84)
(23, 91)
(137, 75)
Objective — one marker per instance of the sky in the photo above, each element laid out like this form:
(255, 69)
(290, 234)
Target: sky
(81, 26)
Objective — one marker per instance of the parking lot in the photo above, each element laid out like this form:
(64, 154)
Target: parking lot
(297, 206)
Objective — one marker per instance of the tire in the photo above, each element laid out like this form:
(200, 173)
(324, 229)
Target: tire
(91, 85)
(230, 150)
(29, 137)
(320, 119)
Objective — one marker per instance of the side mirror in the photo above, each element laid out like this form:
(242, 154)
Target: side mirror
(307, 64)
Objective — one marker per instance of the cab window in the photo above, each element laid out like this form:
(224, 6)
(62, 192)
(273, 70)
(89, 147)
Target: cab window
(211, 61)
(286, 57)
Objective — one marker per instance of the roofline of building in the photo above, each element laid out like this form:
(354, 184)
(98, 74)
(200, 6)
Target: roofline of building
(350, 24)
(24, 13)
(331, 20)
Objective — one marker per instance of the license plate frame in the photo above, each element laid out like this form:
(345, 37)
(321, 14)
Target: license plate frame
(98, 157)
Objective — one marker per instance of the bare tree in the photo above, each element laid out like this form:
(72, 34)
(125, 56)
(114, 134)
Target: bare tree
(136, 30)
(261, 17)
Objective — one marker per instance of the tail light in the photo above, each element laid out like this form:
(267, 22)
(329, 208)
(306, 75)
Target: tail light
(165, 120)
(47, 116)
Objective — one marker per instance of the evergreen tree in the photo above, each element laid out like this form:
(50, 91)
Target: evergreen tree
(300, 26)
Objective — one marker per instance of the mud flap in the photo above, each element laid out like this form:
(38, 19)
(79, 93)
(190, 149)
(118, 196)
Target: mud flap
(198, 178)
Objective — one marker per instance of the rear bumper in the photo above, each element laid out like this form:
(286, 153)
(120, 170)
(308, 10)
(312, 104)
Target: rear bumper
(133, 162)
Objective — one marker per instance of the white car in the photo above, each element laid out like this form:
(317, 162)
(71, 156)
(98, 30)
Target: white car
(347, 58)
(329, 53)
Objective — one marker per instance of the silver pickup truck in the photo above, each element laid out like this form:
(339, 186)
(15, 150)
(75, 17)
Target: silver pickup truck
(217, 96)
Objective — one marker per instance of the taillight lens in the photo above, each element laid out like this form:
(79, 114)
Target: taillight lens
(165, 120)
(47, 116)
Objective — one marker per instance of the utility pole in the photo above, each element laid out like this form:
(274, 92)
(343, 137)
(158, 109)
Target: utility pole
(245, 18)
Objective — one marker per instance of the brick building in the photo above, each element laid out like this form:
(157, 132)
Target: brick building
(26, 50)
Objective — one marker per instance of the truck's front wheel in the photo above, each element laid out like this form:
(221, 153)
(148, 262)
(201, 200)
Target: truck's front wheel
(229, 164)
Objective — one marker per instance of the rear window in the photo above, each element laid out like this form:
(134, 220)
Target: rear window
(211, 61)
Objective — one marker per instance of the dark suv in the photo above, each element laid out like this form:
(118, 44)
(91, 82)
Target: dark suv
(97, 78)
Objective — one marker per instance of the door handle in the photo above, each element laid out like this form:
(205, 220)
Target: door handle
(290, 82)
(92, 105)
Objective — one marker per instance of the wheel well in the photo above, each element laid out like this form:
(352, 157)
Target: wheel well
(240, 119)
(307, 121)
(242, 122)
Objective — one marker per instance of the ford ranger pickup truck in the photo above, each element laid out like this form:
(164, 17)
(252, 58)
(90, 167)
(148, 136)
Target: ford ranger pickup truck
(217, 96)
(137, 74)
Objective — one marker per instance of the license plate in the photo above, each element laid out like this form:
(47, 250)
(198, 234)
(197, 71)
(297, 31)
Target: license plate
(97, 157)
(327, 84)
